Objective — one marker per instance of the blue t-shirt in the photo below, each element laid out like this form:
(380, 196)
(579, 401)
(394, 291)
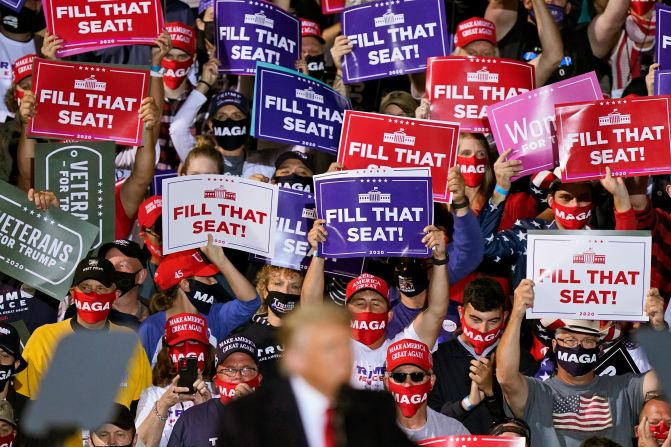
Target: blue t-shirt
(222, 319)
(198, 426)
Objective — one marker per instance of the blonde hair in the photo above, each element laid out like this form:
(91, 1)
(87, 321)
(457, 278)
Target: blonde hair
(205, 146)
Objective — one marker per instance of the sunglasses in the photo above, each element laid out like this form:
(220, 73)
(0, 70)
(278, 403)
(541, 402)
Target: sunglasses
(416, 377)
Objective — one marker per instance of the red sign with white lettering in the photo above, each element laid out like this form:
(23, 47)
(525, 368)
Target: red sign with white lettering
(332, 6)
(88, 101)
(86, 25)
(473, 441)
(371, 141)
(632, 136)
(461, 88)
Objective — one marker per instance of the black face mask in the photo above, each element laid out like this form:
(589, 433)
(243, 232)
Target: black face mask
(294, 181)
(6, 373)
(19, 22)
(412, 282)
(202, 296)
(125, 281)
(230, 134)
(282, 303)
(316, 66)
(576, 361)
(209, 32)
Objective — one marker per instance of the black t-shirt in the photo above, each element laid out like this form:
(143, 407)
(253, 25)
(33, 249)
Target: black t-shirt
(19, 301)
(268, 349)
(522, 43)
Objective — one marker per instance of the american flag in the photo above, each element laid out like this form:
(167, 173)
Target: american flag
(581, 413)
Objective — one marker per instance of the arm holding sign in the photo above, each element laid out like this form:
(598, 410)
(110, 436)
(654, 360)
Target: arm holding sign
(43, 199)
(134, 189)
(312, 291)
(625, 219)
(341, 47)
(428, 323)
(504, 171)
(162, 46)
(605, 28)
(504, 14)
(242, 288)
(553, 49)
(654, 308)
(514, 386)
(26, 149)
(51, 45)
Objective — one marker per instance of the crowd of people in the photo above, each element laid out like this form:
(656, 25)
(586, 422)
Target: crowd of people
(235, 352)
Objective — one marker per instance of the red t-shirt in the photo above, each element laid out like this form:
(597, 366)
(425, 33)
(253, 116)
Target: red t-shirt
(122, 223)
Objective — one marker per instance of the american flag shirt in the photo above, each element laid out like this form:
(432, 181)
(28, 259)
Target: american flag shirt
(563, 415)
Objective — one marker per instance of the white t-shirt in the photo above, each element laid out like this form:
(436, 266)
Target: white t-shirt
(145, 408)
(369, 364)
(10, 52)
(437, 425)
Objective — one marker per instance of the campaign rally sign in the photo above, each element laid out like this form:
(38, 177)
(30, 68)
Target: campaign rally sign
(375, 213)
(663, 36)
(87, 25)
(473, 441)
(295, 216)
(239, 213)
(292, 108)
(461, 88)
(82, 177)
(371, 140)
(632, 136)
(526, 123)
(14, 5)
(662, 82)
(589, 275)
(393, 38)
(332, 6)
(250, 31)
(616, 361)
(40, 248)
(88, 101)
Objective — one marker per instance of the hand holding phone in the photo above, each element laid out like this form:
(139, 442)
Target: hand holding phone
(188, 373)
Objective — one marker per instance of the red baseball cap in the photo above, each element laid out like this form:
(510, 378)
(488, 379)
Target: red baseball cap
(366, 282)
(183, 37)
(181, 265)
(149, 211)
(409, 352)
(475, 28)
(311, 29)
(22, 68)
(186, 326)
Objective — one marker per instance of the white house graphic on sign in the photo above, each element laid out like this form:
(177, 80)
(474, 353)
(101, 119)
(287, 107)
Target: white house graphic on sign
(398, 137)
(589, 257)
(219, 193)
(389, 18)
(614, 118)
(375, 196)
(482, 75)
(309, 94)
(309, 213)
(90, 83)
(259, 19)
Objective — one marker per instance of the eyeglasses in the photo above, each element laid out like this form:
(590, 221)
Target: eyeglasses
(415, 377)
(587, 343)
(232, 372)
(153, 233)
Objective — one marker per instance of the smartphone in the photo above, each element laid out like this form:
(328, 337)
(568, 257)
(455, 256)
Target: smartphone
(188, 373)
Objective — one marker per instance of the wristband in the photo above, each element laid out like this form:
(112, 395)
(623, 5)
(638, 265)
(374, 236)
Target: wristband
(156, 68)
(458, 206)
(465, 403)
(441, 261)
(160, 418)
(200, 81)
(501, 191)
(315, 254)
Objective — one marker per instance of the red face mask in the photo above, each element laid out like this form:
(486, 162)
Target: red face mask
(480, 340)
(368, 327)
(188, 350)
(155, 251)
(572, 217)
(409, 398)
(472, 169)
(642, 7)
(175, 72)
(227, 389)
(93, 307)
(7, 441)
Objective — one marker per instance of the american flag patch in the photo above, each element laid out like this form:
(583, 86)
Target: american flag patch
(581, 413)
